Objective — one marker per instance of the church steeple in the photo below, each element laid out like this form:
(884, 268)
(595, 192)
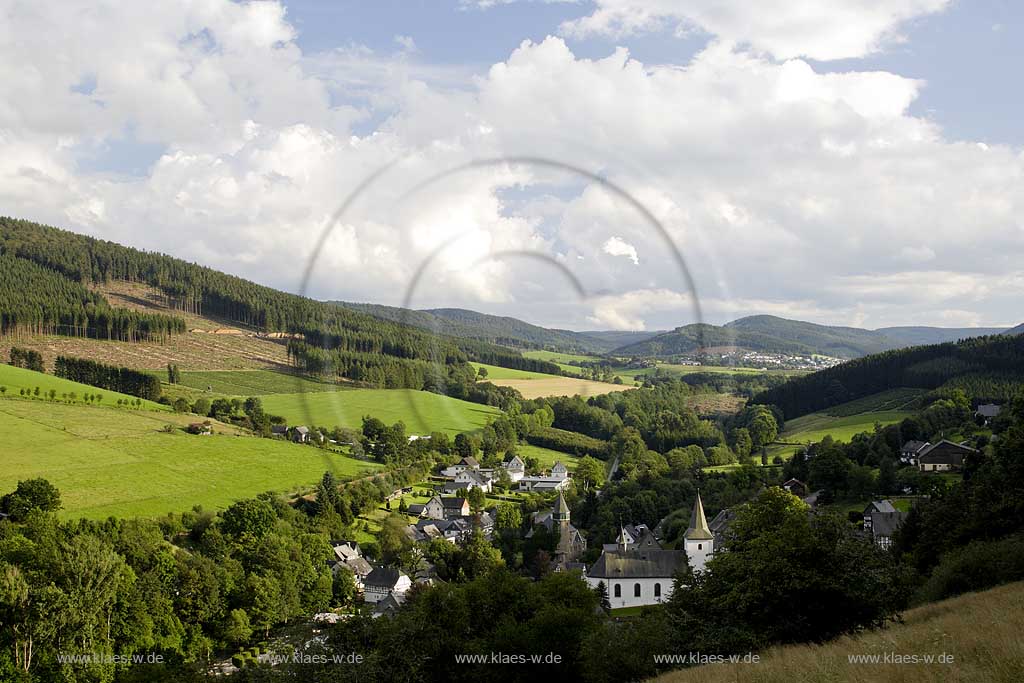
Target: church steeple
(561, 509)
(698, 530)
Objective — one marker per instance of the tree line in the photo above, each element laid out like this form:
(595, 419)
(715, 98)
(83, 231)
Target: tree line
(112, 377)
(963, 364)
(27, 359)
(37, 300)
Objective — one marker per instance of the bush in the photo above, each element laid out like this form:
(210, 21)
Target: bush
(238, 661)
(977, 566)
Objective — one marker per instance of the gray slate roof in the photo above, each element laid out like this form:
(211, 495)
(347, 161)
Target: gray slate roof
(885, 523)
(638, 564)
(383, 576)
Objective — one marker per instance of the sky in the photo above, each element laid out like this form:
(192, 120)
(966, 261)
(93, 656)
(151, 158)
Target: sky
(598, 164)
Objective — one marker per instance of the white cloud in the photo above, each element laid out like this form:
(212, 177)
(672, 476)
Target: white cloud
(616, 246)
(786, 190)
(820, 29)
(626, 311)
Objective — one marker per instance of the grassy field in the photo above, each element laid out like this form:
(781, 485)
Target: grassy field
(496, 372)
(562, 360)
(546, 456)
(559, 386)
(421, 411)
(893, 399)
(16, 379)
(980, 630)
(108, 461)
(816, 426)
(251, 382)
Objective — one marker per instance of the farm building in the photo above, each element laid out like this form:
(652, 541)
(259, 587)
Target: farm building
(945, 456)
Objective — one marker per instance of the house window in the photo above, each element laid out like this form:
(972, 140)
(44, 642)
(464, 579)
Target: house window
(700, 546)
(618, 590)
(657, 590)
(636, 590)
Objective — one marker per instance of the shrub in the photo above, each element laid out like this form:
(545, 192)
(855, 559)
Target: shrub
(977, 566)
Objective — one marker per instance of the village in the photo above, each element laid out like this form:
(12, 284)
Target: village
(634, 571)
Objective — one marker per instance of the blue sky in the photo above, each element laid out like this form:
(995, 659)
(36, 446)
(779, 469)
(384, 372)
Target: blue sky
(965, 53)
(842, 161)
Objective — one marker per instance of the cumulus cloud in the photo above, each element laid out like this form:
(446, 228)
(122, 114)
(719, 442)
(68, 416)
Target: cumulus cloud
(783, 189)
(820, 29)
(616, 246)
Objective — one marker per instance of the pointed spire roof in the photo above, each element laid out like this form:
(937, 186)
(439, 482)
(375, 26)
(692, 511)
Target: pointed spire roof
(561, 506)
(698, 530)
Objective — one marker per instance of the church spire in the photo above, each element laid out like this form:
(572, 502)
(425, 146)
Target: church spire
(698, 530)
(561, 509)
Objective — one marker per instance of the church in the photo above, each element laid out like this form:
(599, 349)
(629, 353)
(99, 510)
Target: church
(641, 574)
(571, 543)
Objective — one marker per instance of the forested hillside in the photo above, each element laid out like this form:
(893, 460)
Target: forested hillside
(37, 300)
(344, 342)
(764, 333)
(771, 334)
(987, 368)
(465, 324)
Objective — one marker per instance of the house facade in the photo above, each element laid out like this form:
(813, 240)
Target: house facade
(945, 456)
(385, 581)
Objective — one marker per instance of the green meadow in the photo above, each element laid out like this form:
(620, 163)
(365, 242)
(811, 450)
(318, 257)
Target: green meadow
(251, 382)
(545, 456)
(16, 379)
(421, 411)
(497, 372)
(114, 462)
(816, 426)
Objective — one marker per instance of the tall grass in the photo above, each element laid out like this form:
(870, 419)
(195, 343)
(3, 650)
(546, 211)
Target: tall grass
(982, 632)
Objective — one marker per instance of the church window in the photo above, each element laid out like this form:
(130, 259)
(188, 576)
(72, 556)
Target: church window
(657, 590)
(636, 590)
(618, 590)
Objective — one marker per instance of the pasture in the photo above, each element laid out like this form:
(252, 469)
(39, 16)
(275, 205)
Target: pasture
(251, 382)
(816, 426)
(559, 386)
(495, 372)
(546, 456)
(421, 411)
(16, 379)
(563, 360)
(111, 462)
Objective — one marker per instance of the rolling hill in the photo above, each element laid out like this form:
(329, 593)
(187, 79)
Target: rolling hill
(466, 324)
(772, 334)
(986, 368)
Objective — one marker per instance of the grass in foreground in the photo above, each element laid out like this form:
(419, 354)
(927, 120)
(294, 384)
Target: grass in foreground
(421, 411)
(980, 630)
(107, 461)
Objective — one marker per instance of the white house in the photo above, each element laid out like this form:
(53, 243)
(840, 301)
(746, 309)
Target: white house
(468, 463)
(385, 581)
(634, 576)
(558, 480)
(515, 467)
(473, 479)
